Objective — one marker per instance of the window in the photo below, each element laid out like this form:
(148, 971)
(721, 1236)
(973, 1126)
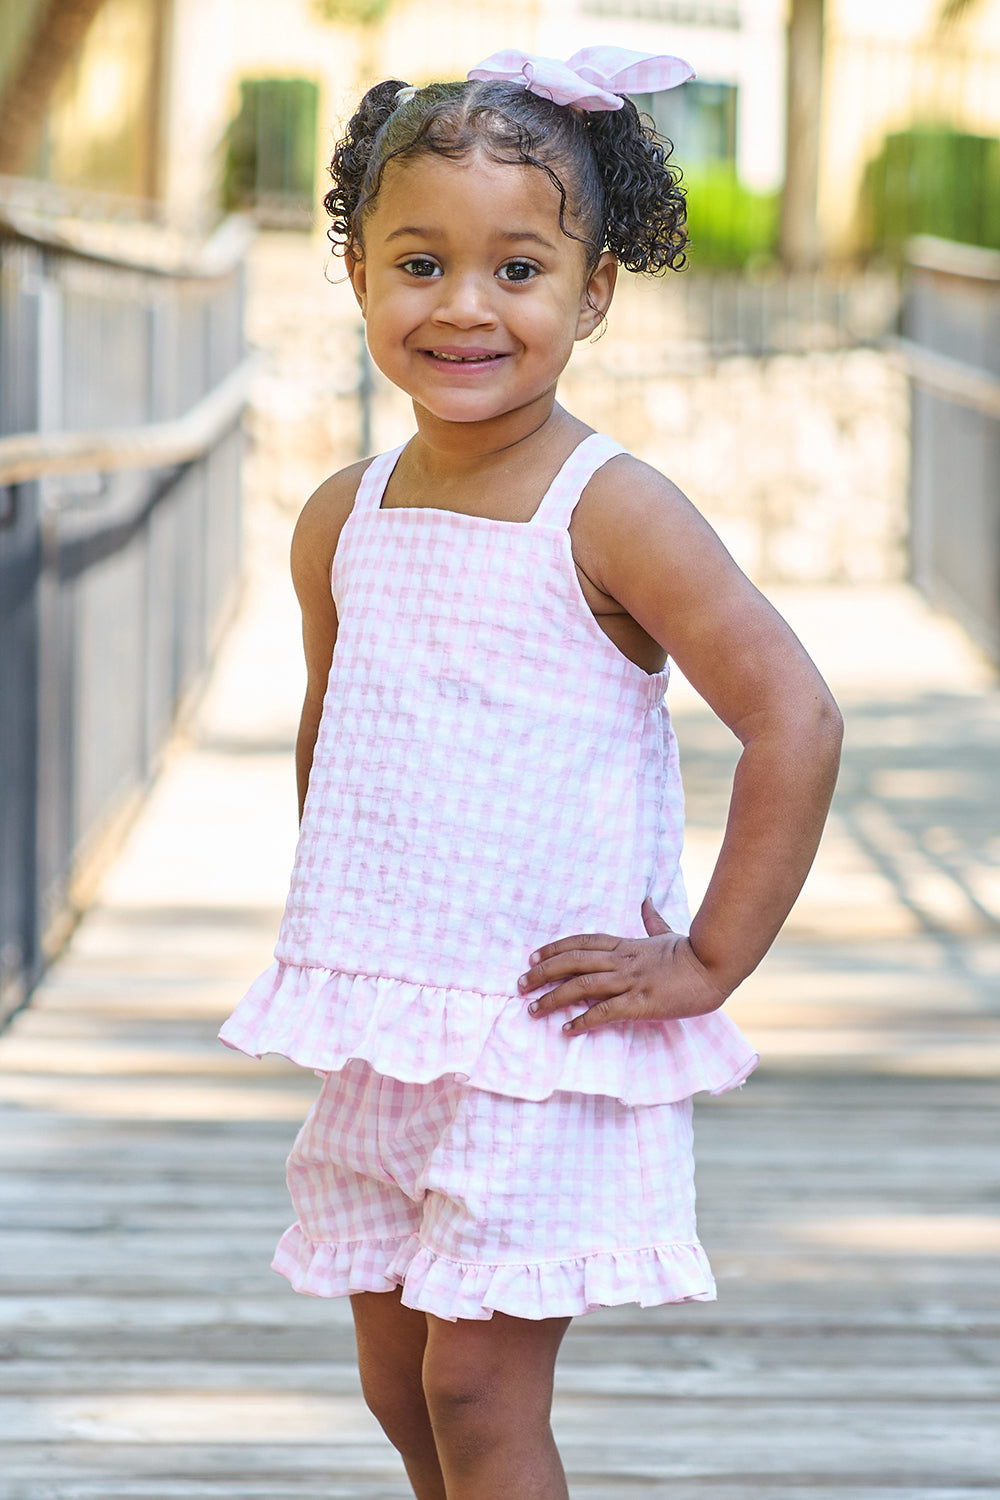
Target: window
(725, 13)
(700, 120)
(271, 151)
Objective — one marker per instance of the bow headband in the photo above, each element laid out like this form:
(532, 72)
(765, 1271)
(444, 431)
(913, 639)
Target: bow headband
(593, 79)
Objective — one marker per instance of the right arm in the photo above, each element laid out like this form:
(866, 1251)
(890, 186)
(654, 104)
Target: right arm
(314, 545)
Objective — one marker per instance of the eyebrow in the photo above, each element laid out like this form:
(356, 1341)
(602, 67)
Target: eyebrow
(513, 236)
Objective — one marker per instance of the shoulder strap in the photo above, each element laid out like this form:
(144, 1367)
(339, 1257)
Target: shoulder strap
(374, 480)
(560, 499)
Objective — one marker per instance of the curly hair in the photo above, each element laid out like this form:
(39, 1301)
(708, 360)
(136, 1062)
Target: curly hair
(610, 169)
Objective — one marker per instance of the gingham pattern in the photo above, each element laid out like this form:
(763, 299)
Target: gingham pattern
(436, 1187)
(593, 79)
(491, 773)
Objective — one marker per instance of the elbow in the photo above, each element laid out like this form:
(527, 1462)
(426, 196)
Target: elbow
(825, 731)
(804, 727)
(810, 727)
(830, 718)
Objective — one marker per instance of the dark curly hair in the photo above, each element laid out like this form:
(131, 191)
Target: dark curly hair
(610, 168)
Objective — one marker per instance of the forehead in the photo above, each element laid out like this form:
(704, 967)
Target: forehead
(473, 186)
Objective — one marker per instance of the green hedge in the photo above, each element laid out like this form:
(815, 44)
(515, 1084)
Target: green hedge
(930, 180)
(729, 223)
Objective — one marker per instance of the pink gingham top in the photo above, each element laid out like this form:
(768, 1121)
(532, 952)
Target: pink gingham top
(490, 773)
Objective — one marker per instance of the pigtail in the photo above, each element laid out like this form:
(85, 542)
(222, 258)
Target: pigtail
(352, 157)
(645, 211)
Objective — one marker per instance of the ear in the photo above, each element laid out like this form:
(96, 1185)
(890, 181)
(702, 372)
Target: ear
(597, 295)
(358, 276)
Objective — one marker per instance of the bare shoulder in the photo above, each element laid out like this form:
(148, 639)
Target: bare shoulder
(654, 553)
(630, 512)
(320, 522)
(636, 491)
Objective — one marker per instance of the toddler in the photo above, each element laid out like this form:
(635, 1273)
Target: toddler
(486, 951)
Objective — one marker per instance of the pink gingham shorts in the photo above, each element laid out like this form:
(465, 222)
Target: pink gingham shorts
(476, 1203)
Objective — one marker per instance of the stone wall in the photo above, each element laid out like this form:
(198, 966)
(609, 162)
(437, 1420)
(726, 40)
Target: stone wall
(800, 462)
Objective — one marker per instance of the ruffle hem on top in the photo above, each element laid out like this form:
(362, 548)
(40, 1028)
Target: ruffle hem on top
(321, 1018)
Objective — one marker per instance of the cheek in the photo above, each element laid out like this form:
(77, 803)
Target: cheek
(390, 312)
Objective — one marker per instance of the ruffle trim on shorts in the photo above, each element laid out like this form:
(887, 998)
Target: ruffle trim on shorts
(322, 1018)
(450, 1289)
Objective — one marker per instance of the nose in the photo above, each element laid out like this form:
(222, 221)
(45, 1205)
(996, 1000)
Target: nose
(464, 301)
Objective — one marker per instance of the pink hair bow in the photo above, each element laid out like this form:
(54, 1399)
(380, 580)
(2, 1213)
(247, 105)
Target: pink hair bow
(593, 79)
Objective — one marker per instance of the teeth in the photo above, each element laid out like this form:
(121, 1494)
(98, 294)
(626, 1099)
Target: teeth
(463, 359)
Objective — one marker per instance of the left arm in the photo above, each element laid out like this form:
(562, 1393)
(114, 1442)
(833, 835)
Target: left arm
(644, 545)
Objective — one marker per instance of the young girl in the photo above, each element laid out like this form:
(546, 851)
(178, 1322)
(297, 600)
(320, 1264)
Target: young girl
(485, 951)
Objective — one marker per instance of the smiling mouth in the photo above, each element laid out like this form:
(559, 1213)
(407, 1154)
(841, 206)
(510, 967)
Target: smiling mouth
(472, 357)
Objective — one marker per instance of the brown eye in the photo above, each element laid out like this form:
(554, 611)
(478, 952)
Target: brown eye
(517, 270)
(420, 267)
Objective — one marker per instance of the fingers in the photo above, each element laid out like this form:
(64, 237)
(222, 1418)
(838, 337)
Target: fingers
(607, 999)
(601, 1014)
(587, 953)
(652, 921)
(566, 965)
(597, 977)
(590, 989)
(589, 940)
(608, 976)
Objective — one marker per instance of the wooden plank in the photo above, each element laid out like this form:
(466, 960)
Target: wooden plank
(862, 1368)
(364, 1487)
(599, 1436)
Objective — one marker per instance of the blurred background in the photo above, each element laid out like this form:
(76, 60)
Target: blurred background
(824, 378)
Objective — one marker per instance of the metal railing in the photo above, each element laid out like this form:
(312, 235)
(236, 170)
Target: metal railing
(122, 378)
(951, 347)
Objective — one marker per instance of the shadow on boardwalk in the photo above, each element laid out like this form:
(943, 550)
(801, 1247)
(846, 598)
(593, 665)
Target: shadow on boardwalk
(849, 1195)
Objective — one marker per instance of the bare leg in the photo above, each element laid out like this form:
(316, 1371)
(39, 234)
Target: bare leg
(391, 1342)
(488, 1387)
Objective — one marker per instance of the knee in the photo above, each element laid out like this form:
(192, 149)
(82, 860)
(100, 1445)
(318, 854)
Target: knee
(462, 1406)
(399, 1408)
(452, 1390)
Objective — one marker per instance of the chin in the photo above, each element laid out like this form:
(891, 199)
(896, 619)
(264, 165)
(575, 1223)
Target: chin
(445, 411)
(476, 409)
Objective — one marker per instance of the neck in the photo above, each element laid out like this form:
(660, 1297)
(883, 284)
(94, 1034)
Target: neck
(459, 448)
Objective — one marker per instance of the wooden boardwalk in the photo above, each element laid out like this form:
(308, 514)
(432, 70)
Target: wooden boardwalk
(850, 1195)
